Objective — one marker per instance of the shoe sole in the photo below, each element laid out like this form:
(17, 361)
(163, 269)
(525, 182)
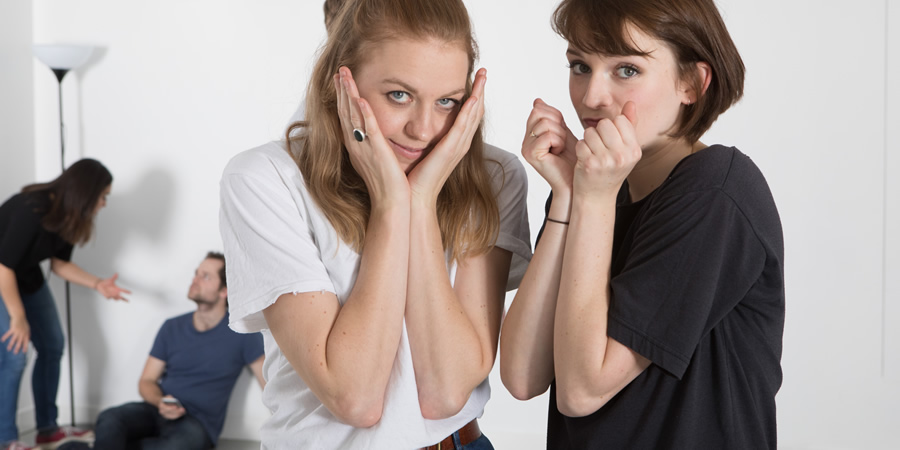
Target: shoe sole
(87, 438)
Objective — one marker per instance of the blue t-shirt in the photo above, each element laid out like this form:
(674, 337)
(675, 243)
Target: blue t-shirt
(202, 367)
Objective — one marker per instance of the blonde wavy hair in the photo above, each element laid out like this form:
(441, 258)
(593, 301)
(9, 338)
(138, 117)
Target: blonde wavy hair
(467, 209)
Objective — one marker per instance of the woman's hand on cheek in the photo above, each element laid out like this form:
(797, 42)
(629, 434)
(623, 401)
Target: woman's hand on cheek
(549, 146)
(372, 157)
(430, 174)
(606, 155)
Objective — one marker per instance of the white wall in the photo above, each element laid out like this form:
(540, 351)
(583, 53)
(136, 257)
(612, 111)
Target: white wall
(16, 100)
(179, 87)
(16, 118)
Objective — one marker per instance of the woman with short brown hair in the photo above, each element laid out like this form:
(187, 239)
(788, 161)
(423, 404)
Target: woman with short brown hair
(653, 308)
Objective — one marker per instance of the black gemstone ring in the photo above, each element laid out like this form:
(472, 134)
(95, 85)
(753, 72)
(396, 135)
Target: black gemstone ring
(358, 135)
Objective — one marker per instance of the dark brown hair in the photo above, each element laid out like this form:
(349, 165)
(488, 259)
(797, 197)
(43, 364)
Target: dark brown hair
(220, 257)
(73, 198)
(693, 30)
(467, 209)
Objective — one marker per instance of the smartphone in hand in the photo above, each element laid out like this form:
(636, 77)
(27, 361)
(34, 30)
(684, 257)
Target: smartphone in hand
(172, 401)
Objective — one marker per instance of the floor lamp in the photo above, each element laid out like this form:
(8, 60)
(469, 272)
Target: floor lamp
(61, 59)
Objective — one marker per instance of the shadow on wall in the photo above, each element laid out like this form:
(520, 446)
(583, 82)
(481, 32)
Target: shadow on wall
(139, 214)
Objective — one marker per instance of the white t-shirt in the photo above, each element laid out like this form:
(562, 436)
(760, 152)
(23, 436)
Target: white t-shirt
(277, 241)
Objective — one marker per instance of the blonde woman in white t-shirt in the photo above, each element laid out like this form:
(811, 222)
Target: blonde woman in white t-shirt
(373, 247)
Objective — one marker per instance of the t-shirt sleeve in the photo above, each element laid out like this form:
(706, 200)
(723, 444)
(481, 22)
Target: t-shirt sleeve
(510, 185)
(269, 248)
(694, 258)
(22, 229)
(252, 347)
(160, 349)
(65, 252)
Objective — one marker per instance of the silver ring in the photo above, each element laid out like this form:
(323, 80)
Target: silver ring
(532, 134)
(359, 135)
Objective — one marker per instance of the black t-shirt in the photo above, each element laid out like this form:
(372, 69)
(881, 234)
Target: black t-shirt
(698, 289)
(24, 242)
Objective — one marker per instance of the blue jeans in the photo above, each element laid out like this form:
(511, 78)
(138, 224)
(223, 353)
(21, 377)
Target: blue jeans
(138, 425)
(482, 443)
(48, 340)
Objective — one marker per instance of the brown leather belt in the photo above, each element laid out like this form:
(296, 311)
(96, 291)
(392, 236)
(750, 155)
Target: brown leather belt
(467, 434)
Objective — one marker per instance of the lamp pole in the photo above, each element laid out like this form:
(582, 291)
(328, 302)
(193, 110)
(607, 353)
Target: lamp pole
(61, 59)
(60, 74)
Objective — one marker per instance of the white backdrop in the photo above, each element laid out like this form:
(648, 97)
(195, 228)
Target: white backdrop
(178, 87)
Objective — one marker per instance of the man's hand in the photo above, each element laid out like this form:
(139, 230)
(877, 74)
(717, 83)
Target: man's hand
(170, 411)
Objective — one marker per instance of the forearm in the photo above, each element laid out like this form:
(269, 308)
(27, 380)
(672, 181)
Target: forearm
(150, 391)
(9, 290)
(526, 341)
(345, 353)
(449, 356)
(72, 273)
(364, 340)
(580, 336)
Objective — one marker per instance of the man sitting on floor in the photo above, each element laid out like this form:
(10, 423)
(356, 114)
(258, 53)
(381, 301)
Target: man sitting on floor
(190, 373)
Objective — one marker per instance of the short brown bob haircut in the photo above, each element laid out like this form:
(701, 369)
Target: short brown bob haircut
(693, 30)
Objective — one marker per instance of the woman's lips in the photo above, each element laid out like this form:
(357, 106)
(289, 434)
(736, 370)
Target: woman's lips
(407, 152)
(590, 123)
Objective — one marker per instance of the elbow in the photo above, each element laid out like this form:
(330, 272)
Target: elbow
(437, 404)
(577, 402)
(520, 383)
(358, 411)
(519, 387)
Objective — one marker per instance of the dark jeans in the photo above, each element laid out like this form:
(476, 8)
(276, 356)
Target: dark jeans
(139, 426)
(48, 340)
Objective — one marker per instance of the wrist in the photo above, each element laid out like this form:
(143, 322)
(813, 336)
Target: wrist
(97, 283)
(423, 203)
(593, 207)
(561, 206)
(18, 318)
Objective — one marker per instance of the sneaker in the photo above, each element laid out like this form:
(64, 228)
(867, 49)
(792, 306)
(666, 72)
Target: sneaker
(75, 445)
(16, 445)
(61, 435)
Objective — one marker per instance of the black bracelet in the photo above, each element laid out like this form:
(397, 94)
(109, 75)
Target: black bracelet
(557, 221)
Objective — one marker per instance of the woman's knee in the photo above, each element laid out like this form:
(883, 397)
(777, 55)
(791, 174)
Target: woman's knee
(51, 343)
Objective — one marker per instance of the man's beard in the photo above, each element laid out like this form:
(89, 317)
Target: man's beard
(199, 300)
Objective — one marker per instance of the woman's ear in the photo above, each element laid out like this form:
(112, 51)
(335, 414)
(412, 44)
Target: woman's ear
(702, 76)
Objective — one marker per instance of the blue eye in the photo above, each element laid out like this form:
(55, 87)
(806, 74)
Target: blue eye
(398, 96)
(627, 71)
(448, 103)
(579, 68)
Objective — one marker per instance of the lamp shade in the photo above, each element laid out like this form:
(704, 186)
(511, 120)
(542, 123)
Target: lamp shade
(65, 57)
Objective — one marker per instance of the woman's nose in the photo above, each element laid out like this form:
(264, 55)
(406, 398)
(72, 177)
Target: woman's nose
(421, 125)
(598, 94)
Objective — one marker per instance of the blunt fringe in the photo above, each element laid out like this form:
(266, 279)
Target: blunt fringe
(73, 199)
(693, 30)
(467, 209)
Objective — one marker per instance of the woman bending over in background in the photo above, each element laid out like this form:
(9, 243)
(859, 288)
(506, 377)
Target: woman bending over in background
(44, 221)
